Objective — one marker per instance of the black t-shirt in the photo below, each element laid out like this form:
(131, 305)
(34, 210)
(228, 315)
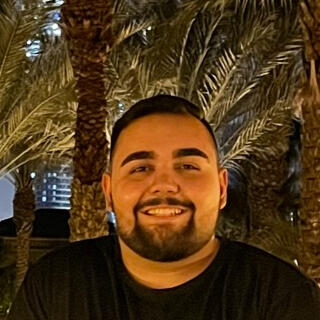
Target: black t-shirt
(87, 280)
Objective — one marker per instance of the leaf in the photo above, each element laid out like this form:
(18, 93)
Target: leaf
(39, 118)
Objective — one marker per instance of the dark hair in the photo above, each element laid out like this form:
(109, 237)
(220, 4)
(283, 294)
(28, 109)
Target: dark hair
(164, 104)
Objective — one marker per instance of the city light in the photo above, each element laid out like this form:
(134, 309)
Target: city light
(50, 30)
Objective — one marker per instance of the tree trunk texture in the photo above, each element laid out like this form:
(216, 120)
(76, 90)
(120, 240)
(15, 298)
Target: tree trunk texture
(310, 194)
(268, 227)
(87, 28)
(23, 217)
(266, 180)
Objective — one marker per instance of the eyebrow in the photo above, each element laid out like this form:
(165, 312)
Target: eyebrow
(189, 152)
(138, 156)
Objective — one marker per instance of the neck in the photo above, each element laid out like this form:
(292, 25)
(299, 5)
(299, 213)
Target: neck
(162, 275)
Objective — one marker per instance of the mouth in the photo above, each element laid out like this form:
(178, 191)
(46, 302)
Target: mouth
(164, 211)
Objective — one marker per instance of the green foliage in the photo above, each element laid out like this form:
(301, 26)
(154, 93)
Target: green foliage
(239, 60)
(37, 113)
(278, 237)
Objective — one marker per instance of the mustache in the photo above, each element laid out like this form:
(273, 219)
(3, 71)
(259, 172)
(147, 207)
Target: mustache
(169, 201)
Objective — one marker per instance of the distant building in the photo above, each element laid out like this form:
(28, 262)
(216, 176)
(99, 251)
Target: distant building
(53, 188)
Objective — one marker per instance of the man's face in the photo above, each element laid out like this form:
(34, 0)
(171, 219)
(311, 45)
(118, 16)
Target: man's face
(165, 186)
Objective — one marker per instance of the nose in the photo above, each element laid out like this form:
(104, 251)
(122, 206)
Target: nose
(164, 183)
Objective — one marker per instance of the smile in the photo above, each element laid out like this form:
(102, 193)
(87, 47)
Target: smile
(163, 212)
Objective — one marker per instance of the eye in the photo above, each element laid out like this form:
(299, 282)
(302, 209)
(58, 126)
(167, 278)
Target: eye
(188, 167)
(139, 169)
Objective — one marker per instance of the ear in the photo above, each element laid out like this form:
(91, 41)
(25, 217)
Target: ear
(106, 187)
(223, 179)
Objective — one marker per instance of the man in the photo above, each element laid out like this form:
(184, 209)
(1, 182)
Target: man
(166, 188)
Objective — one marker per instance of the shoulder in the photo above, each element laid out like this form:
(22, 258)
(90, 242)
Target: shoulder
(76, 254)
(278, 287)
(258, 263)
(70, 274)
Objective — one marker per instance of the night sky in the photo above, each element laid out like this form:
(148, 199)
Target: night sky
(6, 196)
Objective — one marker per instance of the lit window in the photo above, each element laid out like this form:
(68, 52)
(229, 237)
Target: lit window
(56, 16)
(44, 199)
(44, 192)
(54, 187)
(55, 26)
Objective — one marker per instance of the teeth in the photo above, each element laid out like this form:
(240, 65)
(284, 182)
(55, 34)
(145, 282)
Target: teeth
(164, 212)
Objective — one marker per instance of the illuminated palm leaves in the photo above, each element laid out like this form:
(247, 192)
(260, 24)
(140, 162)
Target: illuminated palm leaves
(239, 60)
(36, 109)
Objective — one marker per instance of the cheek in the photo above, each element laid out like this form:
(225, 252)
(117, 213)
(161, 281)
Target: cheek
(125, 224)
(125, 197)
(124, 193)
(125, 217)
(207, 203)
(206, 216)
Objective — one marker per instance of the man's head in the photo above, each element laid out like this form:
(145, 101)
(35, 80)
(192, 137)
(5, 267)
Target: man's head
(160, 104)
(165, 184)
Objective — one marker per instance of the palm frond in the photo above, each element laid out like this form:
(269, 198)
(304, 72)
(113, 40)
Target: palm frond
(54, 142)
(39, 120)
(247, 142)
(16, 28)
(278, 237)
(216, 80)
(204, 44)
(232, 71)
(131, 28)
(239, 87)
(269, 5)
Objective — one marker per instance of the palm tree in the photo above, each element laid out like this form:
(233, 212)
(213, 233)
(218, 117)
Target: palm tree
(36, 111)
(310, 205)
(23, 217)
(87, 28)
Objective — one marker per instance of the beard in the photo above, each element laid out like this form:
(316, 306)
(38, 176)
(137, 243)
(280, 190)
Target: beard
(161, 243)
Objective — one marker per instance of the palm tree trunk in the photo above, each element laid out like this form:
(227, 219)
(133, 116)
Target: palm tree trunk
(310, 195)
(266, 178)
(23, 217)
(87, 27)
(269, 227)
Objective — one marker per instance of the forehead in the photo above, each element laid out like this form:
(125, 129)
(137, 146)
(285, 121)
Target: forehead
(163, 133)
